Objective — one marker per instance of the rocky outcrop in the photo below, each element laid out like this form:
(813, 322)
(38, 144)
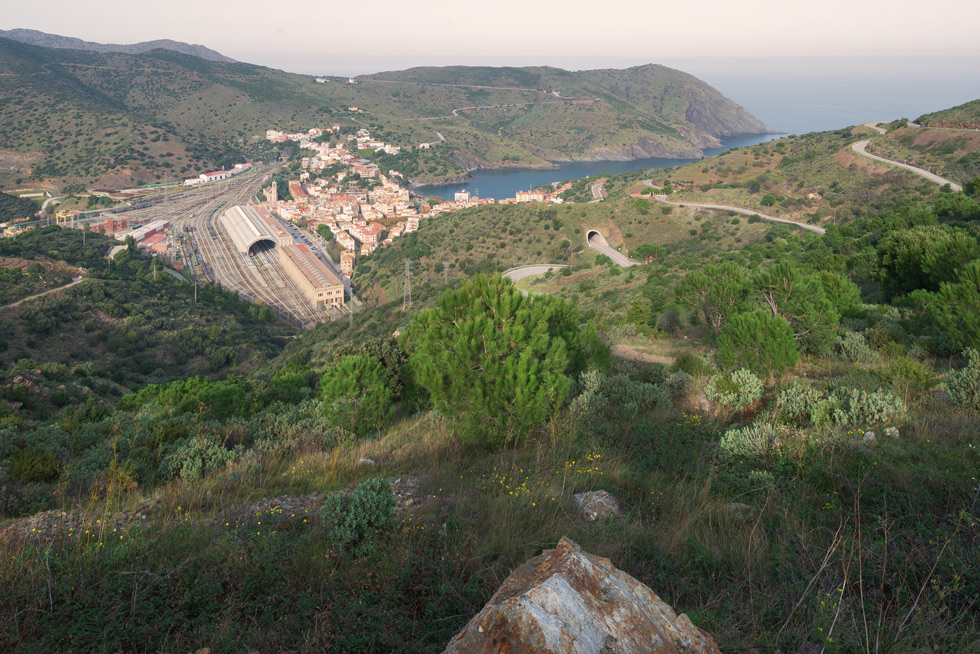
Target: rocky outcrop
(569, 601)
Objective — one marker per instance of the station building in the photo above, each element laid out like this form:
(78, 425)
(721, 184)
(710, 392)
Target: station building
(320, 286)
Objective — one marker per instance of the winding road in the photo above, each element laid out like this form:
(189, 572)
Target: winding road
(598, 242)
(861, 148)
(48, 292)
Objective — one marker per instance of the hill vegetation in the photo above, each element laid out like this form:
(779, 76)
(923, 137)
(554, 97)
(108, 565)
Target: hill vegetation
(789, 420)
(34, 37)
(966, 116)
(953, 154)
(111, 119)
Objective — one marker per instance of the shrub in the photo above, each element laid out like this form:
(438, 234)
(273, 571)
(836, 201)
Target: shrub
(355, 519)
(735, 390)
(199, 455)
(694, 365)
(762, 478)
(497, 360)
(853, 348)
(907, 375)
(614, 398)
(356, 395)
(798, 404)
(759, 341)
(34, 464)
(679, 383)
(963, 386)
(752, 441)
(856, 408)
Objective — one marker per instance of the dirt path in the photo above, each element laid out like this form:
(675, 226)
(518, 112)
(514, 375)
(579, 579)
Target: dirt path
(48, 292)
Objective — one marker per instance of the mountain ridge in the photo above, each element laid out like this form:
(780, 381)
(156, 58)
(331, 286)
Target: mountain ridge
(44, 39)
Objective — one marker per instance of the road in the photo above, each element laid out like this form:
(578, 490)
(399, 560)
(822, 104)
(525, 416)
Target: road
(45, 204)
(520, 272)
(747, 212)
(48, 292)
(861, 148)
(598, 242)
(598, 192)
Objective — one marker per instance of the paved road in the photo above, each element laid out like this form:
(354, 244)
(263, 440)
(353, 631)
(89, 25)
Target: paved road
(48, 292)
(598, 191)
(861, 148)
(530, 270)
(45, 204)
(747, 212)
(598, 242)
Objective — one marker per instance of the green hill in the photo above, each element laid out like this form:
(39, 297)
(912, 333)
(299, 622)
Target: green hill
(966, 116)
(110, 119)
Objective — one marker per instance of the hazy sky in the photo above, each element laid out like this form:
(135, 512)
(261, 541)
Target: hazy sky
(331, 37)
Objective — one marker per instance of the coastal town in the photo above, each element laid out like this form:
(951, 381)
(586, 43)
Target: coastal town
(272, 231)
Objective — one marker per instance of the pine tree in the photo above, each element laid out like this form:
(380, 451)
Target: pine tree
(356, 396)
(714, 293)
(759, 341)
(495, 360)
(799, 297)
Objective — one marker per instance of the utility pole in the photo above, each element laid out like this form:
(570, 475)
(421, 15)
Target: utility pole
(407, 300)
(195, 293)
(445, 272)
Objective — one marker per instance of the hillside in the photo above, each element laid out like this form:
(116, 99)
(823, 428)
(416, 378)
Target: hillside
(950, 153)
(964, 116)
(34, 37)
(72, 117)
(557, 115)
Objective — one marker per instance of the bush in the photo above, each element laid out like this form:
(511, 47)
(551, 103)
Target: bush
(753, 441)
(759, 341)
(679, 383)
(356, 395)
(35, 464)
(735, 390)
(694, 365)
(198, 456)
(963, 386)
(497, 360)
(856, 408)
(907, 375)
(798, 404)
(355, 519)
(614, 398)
(853, 348)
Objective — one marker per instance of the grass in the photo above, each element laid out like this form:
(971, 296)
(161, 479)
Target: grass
(753, 564)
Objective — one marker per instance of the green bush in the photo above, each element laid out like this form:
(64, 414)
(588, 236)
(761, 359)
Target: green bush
(694, 365)
(356, 519)
(856, 408)
(35, 464)
(752, 441)
(616, 399)
(198, 456)
(759, 341)
(356, 395)
(736, 390)
(907, 375)
(798, 404)
(853, 348)
(963, 386)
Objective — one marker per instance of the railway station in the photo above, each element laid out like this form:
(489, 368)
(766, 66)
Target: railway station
(250, 233)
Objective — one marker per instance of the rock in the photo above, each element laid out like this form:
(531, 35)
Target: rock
(810, 648)
(367, 462)
(569, 601)
(597, 505)
(869, 438)
(891, 432)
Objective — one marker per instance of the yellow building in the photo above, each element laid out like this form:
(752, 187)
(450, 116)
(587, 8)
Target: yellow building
(320, 286)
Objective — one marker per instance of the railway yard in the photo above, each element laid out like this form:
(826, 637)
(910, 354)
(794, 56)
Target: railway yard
(210, 256)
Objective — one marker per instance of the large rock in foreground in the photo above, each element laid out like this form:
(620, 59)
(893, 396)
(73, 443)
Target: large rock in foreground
(569, 601)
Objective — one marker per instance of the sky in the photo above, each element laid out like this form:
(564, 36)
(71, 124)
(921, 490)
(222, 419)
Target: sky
(330, 37)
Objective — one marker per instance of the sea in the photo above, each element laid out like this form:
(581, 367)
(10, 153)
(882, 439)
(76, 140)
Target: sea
(791, 95)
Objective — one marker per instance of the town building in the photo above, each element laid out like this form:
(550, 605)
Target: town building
(320, 286)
